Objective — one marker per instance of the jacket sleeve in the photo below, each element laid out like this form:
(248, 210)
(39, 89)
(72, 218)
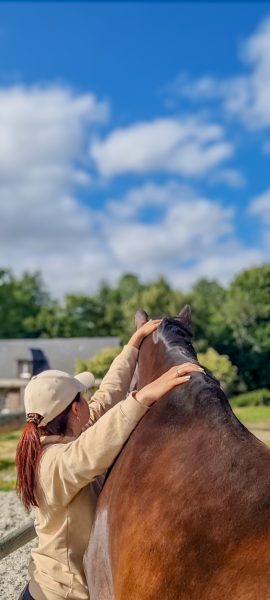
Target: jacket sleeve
(115, 385)
(66, 468)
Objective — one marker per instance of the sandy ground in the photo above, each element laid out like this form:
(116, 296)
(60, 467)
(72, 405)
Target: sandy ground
(13, 568)
(262, 431)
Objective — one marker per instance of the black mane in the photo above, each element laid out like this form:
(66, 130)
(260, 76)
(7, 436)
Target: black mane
(177, 337)
(205, 391)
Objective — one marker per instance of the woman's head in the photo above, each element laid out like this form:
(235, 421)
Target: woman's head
(70, 421)
(49, 393)
(54, 405)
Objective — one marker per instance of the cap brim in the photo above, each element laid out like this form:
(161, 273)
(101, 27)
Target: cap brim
(87, 379)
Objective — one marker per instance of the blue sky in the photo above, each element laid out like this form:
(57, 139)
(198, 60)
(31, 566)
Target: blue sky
(134, 138)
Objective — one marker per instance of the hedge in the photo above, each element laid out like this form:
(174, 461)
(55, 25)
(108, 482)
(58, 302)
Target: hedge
(255, 398)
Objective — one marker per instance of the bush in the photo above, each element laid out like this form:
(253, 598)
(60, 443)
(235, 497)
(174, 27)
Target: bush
(99, 364)
(221, 367)
(255, 398)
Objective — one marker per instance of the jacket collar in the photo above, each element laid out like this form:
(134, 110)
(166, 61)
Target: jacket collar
(48, 440)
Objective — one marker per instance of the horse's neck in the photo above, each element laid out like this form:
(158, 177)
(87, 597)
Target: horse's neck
(183, 355)
(202, 403)
(200, 399)
(162, 361)
(176, 352)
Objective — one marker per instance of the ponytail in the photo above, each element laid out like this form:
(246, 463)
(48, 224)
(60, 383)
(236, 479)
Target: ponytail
(28, 455)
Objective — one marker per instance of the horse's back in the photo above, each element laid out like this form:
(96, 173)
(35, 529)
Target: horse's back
(178, 522)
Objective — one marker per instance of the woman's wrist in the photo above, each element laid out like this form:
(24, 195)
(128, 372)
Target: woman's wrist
(140, 397)
(135, 341)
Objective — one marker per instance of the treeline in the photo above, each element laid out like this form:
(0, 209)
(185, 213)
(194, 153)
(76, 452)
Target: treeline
(234, 321)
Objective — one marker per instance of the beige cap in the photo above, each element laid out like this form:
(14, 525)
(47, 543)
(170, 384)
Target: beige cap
(50, 392)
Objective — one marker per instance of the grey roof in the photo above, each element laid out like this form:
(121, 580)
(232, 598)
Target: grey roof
(61, 353)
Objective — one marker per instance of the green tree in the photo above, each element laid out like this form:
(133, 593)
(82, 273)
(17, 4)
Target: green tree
(221, 367)
(247, 313)
(21, 300)
(158, 299)
(84, 316)
(77, 316)
(99, 364)
(112, 300)
(128, 286)
(207, 300)
(49, 321)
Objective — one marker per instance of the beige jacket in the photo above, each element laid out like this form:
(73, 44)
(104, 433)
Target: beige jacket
(67, 488)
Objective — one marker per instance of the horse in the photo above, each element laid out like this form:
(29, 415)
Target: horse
(185, 511)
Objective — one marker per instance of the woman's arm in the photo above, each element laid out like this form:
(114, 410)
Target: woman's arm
(116, 383)
(68, 467)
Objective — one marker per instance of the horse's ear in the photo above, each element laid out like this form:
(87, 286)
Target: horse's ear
(141, 317)
(185, 316)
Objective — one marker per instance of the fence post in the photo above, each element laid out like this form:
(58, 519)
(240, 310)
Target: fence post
(14, 540)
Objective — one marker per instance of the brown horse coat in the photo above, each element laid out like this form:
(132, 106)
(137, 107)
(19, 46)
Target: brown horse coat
(185, 511)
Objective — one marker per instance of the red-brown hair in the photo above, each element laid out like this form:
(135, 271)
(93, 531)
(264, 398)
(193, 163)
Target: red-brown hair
(28, 455)
(29, 450)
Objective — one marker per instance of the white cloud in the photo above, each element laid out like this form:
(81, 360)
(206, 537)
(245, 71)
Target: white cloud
(189, 224)
(150, 230)
(43, 126)
(191, 237)
(245, 96)
(231, 177)
(260, 207)
(248, 96)
(189, 147)
(43, 141)
(204, 88)
(222, 266)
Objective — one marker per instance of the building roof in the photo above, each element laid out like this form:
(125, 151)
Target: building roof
(61, 353)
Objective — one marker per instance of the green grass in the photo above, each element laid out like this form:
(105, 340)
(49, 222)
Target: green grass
(7, 485)
(11, 436)
(253, 414)
(6, 463)
(8, 443)
(8, 478)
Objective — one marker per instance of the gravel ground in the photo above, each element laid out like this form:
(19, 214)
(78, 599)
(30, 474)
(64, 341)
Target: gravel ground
(13, 568)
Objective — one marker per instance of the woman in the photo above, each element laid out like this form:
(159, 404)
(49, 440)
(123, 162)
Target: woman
(66, 445)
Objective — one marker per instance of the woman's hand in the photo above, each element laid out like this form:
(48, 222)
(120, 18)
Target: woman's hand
(175, 376)
(139, 335)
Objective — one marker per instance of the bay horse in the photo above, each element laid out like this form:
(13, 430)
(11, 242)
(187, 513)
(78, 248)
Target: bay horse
(185, 511)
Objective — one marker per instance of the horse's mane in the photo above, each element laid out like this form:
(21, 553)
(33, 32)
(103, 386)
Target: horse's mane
(174, 332)
(205, 395)
(176, 337)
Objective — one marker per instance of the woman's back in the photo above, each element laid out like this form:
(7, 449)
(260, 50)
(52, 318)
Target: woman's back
(63, 534)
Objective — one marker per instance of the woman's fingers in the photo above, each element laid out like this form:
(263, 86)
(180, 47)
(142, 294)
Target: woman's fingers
(143, 331)
(179, 380)
(185, 369)
(154, 324)
(149, 327)
(182, 373)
